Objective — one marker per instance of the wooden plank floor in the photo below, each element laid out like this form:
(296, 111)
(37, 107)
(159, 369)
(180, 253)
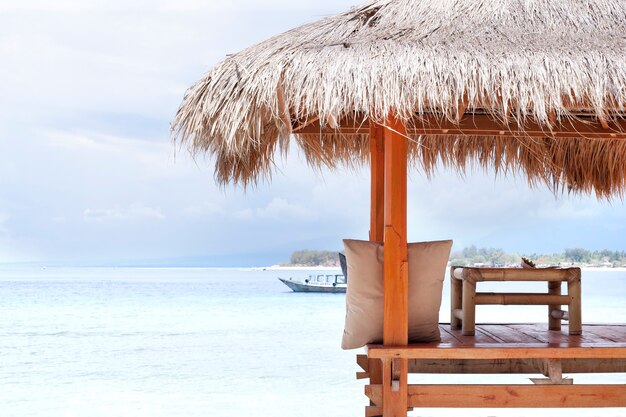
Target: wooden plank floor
(527, 335)
(514, 341)
(593, 334)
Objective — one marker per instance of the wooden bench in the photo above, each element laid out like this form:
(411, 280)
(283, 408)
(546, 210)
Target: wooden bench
(507, 349)
(463, 282)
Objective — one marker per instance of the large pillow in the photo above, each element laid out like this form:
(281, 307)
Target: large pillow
(365, 293)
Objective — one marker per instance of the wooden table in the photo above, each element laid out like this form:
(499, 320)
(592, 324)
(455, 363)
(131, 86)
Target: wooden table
(509, 349)
(465, 298)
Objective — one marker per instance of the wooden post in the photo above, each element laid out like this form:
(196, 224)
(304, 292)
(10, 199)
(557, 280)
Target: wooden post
(468, 324)
(554, 323)
(456, 301)
(377, 195)
(575, 313)
(377, 219)
(395, 330)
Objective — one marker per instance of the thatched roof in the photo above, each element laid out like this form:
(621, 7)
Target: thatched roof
(517, 60)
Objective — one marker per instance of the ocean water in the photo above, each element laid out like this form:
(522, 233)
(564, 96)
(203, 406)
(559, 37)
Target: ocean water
(209, 342)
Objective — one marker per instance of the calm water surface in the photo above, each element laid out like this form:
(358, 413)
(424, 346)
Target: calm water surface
(206, 342)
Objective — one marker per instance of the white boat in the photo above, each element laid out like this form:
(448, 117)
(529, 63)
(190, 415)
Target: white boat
(328, 283)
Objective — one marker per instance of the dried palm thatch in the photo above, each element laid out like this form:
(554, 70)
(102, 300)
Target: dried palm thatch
(516, 60)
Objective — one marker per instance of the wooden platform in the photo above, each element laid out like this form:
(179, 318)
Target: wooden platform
(503, 341)
(509, 349)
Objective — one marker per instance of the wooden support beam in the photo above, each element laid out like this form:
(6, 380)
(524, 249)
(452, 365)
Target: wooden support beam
(362, 361)
(456, 300)
(554, 322)
(396, 308)
(375, 371)
(485, 125)
(484, 298)
(499, 351)
(395, 240)
(362, 375)
(512, 366)
(374, 393)
(575, 312)
(373, 411)
(468, 318)
(510, 396)
(377, 214)
(552, 117)
(517, 396)
(604, 123)
(554, 371)
(377, 181)
(516, 274)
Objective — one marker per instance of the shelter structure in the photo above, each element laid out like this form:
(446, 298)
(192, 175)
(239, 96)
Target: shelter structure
(536, 87)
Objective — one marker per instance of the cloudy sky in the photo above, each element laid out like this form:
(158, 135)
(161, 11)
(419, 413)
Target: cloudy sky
(88, 174)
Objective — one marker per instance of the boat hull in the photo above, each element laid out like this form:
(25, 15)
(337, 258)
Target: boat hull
(309, 287)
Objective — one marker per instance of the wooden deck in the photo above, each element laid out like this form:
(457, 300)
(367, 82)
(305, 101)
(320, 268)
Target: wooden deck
(510, 341)
(509, 349)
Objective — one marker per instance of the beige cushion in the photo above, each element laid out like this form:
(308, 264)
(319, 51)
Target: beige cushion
(365, 294)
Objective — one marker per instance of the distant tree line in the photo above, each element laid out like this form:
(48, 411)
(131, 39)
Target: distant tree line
(572, 256)
(473, 255)
(314, 258)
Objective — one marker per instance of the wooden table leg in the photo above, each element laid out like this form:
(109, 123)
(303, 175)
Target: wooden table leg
(469, 308)
(575, 311)
(554, 323)
(456, 301)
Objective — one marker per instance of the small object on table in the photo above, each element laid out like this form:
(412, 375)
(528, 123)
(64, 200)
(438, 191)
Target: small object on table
(527, 263)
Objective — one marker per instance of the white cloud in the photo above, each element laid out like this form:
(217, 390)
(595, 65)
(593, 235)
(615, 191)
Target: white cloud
(567, 210)
(243, 214)
(88, 90)
(67, 58)
(45, 5)
(134, 212)
(3, 219)
(203, 209)
(278, 209)
(96, 142)
(321, 6)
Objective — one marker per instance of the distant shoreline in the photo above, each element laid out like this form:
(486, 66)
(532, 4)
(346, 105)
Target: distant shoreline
(39, 268)
(297, 268)
(336, 268)
(603, 268)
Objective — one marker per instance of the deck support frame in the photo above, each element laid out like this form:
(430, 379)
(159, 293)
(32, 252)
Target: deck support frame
(509, 396)
(499, 349)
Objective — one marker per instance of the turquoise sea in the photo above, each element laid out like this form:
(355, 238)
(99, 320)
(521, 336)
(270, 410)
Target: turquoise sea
(208, 342)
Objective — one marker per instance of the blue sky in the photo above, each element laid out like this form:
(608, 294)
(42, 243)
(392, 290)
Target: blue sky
(88, 174)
